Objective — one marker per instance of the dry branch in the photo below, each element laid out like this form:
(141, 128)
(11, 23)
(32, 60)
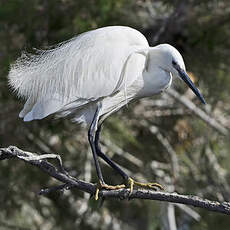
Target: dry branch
(200, 113)
(71, 182)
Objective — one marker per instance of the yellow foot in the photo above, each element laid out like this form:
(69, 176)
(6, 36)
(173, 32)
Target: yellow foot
(154, 186)
(101, 186)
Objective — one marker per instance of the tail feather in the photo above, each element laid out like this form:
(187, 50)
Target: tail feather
(42, 109)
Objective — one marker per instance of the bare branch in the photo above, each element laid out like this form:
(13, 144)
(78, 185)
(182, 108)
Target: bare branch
(71, 182)
(200, 113)
(169, 148)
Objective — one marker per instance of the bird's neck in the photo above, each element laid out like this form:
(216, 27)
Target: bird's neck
(155, 82)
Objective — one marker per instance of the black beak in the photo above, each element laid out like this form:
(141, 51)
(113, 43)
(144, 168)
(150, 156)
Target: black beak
(184, 76)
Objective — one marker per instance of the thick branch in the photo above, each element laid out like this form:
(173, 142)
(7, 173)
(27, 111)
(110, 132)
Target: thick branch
(71, 182)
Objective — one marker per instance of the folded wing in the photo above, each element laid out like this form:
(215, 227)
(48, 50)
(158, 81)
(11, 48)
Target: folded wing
(84, 68)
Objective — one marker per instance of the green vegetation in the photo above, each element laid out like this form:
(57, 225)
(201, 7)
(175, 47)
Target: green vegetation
(148, 129)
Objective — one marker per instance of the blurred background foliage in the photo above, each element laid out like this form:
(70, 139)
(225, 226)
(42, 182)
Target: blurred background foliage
(156, 139)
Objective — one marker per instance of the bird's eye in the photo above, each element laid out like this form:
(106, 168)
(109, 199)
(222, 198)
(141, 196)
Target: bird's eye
(174, 63)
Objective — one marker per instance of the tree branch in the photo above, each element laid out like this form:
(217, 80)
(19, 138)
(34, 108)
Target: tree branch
(200, 113)
(70, 182)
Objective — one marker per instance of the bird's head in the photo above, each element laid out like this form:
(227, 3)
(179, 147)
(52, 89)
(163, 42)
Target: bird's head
(170, 60)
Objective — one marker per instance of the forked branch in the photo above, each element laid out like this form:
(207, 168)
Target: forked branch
(70, 182)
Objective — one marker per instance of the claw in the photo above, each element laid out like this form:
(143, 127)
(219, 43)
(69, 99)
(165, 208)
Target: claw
(154, 185)
(96, 193)
(131, 183)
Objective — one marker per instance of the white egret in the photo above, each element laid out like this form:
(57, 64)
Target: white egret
(93, 75)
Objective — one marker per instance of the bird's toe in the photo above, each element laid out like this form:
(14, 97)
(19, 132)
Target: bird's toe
(154, 186)
(102, 185)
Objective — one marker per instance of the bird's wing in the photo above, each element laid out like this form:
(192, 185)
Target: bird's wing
(87, 67)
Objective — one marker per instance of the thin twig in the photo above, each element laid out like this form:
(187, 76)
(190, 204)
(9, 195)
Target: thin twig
(71, 182)
(200, 113)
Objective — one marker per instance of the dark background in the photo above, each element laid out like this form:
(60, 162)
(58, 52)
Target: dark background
(155, 139)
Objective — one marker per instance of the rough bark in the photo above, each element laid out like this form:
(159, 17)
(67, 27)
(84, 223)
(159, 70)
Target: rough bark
(70, 182)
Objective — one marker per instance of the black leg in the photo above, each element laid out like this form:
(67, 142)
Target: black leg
(94, 135)
(91, 137)
(106, 158)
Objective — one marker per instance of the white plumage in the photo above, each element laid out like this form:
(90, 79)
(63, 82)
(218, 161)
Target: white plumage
(110, 65)
(93, 75)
